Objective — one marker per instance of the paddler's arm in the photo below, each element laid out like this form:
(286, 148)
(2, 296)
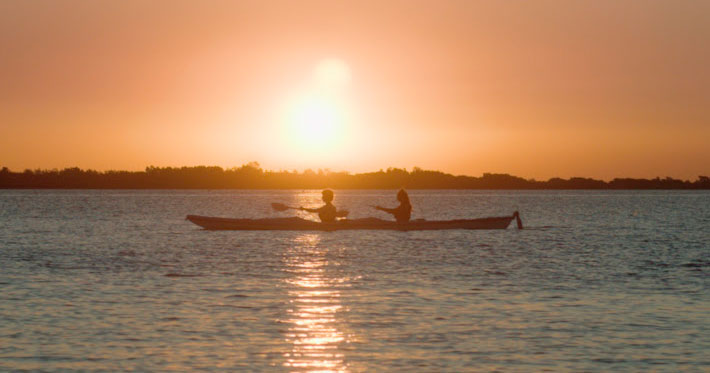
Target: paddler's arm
(385, 209)
(310, 210)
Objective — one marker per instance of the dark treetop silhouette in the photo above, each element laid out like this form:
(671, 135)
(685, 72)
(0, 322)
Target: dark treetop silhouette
(251, 176)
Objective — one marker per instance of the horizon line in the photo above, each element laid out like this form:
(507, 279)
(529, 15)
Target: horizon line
(327, 171)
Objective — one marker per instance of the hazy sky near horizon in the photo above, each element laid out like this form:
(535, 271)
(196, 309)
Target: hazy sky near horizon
(536, 89)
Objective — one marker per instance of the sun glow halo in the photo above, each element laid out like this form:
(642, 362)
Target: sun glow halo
(315, 123)
(316, 118)
(332, 73)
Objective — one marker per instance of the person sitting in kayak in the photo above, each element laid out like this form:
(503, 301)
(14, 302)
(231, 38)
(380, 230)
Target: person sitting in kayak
(403, 212)
(327, 213)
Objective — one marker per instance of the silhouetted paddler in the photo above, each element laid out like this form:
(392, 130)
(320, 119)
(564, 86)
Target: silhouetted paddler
(327, 213)
(403, 212)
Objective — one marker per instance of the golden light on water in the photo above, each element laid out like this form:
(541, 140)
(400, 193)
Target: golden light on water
(315, 306)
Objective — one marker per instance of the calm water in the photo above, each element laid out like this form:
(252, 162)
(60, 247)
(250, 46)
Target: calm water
(118, 280)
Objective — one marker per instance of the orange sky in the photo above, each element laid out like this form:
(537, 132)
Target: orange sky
(536, 89)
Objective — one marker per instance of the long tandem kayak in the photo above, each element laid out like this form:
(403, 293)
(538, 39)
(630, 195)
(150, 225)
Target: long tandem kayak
(298, 224)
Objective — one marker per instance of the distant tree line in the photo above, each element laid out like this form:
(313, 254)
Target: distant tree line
(252, 176)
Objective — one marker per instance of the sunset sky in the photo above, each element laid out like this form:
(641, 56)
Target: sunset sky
(536, 89)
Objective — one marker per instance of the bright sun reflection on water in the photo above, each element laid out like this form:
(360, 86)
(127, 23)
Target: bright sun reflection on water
(315, 304)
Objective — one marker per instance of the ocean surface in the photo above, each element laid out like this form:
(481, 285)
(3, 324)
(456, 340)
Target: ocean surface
(118, 280)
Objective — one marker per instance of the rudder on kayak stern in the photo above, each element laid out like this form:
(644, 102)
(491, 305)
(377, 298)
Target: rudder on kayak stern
(516, 215)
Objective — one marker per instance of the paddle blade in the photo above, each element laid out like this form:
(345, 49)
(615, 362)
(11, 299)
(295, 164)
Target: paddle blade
(342, 213)
(279, 206)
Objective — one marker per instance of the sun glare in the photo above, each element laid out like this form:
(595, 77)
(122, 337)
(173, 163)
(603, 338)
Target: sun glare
(315, 121)
(316, 117)
(332, 73)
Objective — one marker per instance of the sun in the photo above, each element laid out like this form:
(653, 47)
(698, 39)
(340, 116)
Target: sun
(317, 117)
(315, 122)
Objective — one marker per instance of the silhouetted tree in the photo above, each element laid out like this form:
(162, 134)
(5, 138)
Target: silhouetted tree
(252, 176)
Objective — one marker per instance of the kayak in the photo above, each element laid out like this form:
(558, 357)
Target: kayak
(298, 224)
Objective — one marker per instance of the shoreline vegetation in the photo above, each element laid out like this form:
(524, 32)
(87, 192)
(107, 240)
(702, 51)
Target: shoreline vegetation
(252, 176)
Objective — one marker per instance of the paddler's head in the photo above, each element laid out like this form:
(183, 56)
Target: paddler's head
(402, 196)
(327, 196)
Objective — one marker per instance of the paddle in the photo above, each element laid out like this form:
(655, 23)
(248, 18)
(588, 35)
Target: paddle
(281, 207)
